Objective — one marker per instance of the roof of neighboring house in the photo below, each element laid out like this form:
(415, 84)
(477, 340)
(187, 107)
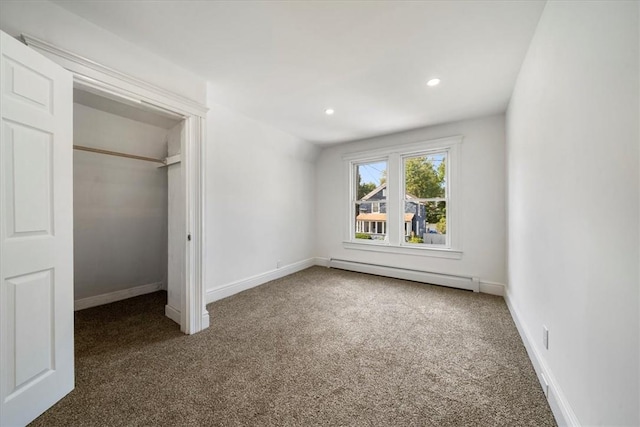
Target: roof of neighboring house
(375, 191)
(380, 188)
(380, 217)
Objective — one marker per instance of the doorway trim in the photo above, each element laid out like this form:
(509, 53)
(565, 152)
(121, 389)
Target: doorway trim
(90, 74)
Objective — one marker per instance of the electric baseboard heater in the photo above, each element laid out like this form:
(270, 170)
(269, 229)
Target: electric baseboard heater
(452, 281)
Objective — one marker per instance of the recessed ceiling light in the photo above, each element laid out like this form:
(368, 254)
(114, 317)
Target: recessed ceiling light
(433, 82)
(329, 111)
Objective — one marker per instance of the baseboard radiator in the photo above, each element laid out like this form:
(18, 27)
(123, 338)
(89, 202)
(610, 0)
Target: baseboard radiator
(452, 281)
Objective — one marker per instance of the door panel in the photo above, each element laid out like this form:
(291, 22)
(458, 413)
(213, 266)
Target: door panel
(32, 321)
(36, 234)
(29, 181)
(28, 84)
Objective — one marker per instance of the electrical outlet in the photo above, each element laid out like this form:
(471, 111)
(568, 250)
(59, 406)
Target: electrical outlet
(279, 263)
(545, 337)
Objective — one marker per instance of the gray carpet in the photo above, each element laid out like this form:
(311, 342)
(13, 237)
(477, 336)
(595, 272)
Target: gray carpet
(319, 347)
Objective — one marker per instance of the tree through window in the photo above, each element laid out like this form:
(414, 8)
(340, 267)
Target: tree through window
(425, 196)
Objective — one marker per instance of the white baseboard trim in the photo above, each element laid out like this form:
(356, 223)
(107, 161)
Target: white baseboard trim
(562, 411)
(81, 304)
(322, 262)
(172, 313)
(205, 320)
(233, 288)
(492, 288)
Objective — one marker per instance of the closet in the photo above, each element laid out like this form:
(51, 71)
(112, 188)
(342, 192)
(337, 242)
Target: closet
(129, 204)
(137, 169)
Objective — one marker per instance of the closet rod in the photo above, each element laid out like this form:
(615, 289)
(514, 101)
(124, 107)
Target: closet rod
(115, 153)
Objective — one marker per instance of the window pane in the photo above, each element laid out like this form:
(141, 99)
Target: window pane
(371, 177)
(371, 205)
(425, 176)
(425, 222)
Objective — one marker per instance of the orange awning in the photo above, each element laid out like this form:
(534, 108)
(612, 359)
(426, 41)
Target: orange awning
(380, 217)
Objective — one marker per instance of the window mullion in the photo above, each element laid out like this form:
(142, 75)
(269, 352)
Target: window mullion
(394, 184)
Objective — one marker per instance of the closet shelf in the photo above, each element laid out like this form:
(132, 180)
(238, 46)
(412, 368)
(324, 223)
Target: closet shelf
(171, 160)
(117, 154)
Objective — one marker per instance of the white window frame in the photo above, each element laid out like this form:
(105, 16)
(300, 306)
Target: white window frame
(394, 156)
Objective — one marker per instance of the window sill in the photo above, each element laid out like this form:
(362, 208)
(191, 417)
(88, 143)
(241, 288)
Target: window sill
(405, 250)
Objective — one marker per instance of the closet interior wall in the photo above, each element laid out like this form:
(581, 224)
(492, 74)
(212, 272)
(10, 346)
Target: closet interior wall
(120, 204)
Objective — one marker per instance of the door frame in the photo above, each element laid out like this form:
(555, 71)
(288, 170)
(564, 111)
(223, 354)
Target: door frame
(90, 74)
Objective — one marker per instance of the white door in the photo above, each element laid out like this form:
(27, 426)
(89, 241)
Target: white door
(36, 233)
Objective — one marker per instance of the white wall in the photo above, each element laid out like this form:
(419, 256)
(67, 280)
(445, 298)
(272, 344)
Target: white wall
(481, 200)
(120, 205)
(260, 205)
(54, 24)
(573, 210)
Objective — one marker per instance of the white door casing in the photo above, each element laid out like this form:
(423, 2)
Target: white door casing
(36, 233)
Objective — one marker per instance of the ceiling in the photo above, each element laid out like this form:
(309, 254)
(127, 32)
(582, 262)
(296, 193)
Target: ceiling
(284, 63)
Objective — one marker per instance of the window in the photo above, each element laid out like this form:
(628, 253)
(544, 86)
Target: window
(425, 198)
(402, 199)
(369, 200)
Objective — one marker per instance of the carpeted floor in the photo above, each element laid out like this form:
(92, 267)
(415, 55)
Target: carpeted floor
(319, 347)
